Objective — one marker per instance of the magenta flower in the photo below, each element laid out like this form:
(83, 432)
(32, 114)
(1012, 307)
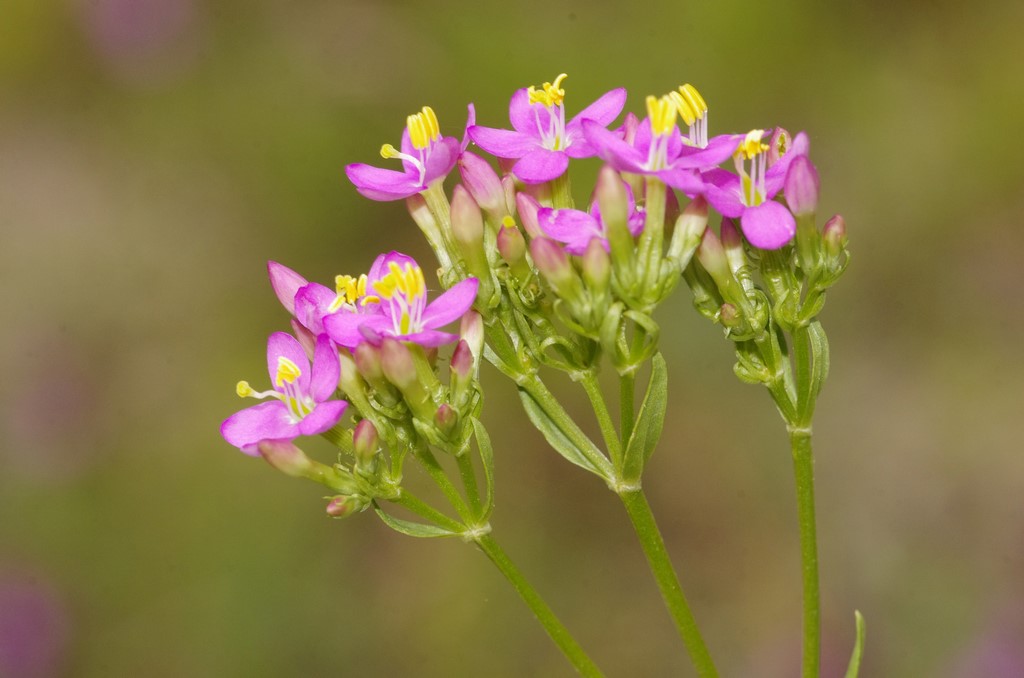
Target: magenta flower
(576, 228)
(426, 157)
(658, 149)
(541, 139)
(397, 281)
(301, 404)
(311, 302)
(749, 194)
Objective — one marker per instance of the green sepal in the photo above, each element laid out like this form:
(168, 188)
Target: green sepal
(483, 443)
(411, 528)
(554, 435)
(810, 349)
(649, 422)
(853, 669)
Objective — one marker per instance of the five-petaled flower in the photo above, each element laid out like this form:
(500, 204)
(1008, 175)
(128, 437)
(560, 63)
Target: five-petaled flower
(402, 311)
(541, 139)
(426, 157)
(749, 194)
(301, 404)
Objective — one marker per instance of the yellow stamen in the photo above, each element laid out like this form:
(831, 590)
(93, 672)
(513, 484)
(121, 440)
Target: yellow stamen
(553, 94)
(751, 146)
(387, 151)
(423, 128)
(689, 103)
(243, 389)
(287, 371)
(408, 281)
(662, 113)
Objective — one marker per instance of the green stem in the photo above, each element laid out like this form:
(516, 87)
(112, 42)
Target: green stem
(584, 665)
(627, 388)
(661, 566)
(652, 239)
(420, 508)
(440, 478)
(604, 418)
(540, 393)
(803, 467)
(465, 462)
(561, 194)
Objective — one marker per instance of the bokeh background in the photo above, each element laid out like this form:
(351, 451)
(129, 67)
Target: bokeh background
(155, 153)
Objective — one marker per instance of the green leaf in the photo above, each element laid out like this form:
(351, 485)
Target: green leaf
(858, 648)
(483, 443)
(649, 422)
(410, 528)
(554, 435)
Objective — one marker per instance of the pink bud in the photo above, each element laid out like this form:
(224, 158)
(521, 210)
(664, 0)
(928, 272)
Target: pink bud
(462, 360)
(306, 338)
(527, 208)
(471, 330)
(778, 145)
(597, 266)
(285, 457)
(367, 357)
(397, 362)
(467, 222)
(712, 256)
(482, 182)
(551, 261)
(285, 283)
(802, 186)
(834, 235)
(364, 440)
(446, 418)
(511, 244)
(343, 506)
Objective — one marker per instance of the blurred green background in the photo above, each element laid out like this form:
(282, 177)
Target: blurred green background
(155, 153)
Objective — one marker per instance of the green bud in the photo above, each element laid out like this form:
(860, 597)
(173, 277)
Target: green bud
(345, 505)
(834, 236)
(468, 230)
(556, 268)
(689, 228)
(446, 418)
(365, 440)
(597, 266)
(614, 203)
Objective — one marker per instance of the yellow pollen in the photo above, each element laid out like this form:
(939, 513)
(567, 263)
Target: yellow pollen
(751, 146)
(508, 222)
(243, 389)
(408, 281)
(662, 113)
(782, 144)
(423, 128)
(287, 371)
(689, 103)
(553, 94)
(387, 151)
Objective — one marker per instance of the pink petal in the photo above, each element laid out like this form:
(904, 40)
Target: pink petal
(285, 283)
(382, 267)
(286, 346)
(470, 122)
(266, 421)
(521, 114)
(326, 370)
(722, 189)
(718, 150)
(567, 225)
(324, 416)
(382, 184)
(540, 165)
(686, 180)
(603, 111)
(343, 328)
(612, 149)
(312, 303)
(502, 142)
(430, 338)
(441, 159)
(451, 305)
(768, 226)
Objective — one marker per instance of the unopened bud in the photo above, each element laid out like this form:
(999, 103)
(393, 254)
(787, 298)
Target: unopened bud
(511, 244)
(732, 244)
(367, 357)
(306, 338)
(286, 458)
(483, 183)
(712, 256)
(613, 201)
(397, 363)
(552, 262)
(802, 185)
(689, 228)
(352, 384)
(597, 266)
(778, 145)
(424, 218)
(471, 330)
(364, 441)
(462, 360)
(446, 418)
(526, 208)
(468, 231)
(729, 316)
(834, 235)
(344, 505)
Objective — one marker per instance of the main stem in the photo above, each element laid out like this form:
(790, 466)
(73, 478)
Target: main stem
(584, 665)
(803, 467)
(661, 566)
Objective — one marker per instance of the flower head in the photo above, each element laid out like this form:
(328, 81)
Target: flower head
(402, 311)
(541, 139)
(426, 157)
(301, 395)
(749, 194)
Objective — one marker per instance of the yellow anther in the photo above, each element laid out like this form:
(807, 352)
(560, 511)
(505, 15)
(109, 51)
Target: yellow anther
(751, 146)
(387, 151)
(423, 128)
(662, 113)
(552, 94)
(243, 389)
(408, 281)
(689, 103)
(508, 222)
(782, 143)
(287, 371)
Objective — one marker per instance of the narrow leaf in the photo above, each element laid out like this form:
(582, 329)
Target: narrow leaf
(554, 435)
(649, 422)
(483, 443)
(858, 648)
(410, 528)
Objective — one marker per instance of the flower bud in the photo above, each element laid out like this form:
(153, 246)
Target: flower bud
(802, 185)
(508, 186)
(344, 505)
(778, 145)
(352, 384)
(397, 363)
(367, 357)
(712, 256)
(613, 201)
(468, 230)
(526, 208)
(462, 361)
(286, 458)
(364, 441)
(729, 316)
(597, 266)
(306, 338)
(511, 244)
(471, 330)
(424, 218)
(689, 229)
(732, 244)
(445, 419)
(555, 266)
(834, 236)
(483, 184)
